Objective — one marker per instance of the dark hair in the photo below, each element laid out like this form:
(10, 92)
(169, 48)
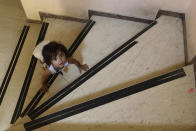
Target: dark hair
(49, 51)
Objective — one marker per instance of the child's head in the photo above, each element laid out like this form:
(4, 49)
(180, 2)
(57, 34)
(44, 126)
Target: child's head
(55, 53)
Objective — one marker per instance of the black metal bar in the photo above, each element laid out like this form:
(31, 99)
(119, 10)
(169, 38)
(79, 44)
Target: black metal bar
(169, 13)
(185, 39)
(117, 16)
(81, 36)
(22, 93)
(13, 62)
(30, 105)
(104, 99)
(99, 66)
(51, 78)
(38, 97)
(28, 78)
(47, 102)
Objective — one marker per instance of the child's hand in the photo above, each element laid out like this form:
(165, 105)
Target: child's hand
(44, 88)
(83, 67)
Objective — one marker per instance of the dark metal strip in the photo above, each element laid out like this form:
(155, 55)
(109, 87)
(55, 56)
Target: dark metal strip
(13, 58)
(81, 36)
(117, 16)
(185, 39)
(13, 62)
(104, 100)
(38, 97)
(31, 104)
(169, 13)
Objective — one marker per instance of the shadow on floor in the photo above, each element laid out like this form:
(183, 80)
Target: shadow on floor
(117, 127)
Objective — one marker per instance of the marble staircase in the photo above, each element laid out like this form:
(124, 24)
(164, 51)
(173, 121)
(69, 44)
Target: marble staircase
(159, 50)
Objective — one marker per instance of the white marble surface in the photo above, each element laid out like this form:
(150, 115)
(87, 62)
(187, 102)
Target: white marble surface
(13, 91)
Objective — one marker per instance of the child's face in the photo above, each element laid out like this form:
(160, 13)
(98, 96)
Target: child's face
(59, 61)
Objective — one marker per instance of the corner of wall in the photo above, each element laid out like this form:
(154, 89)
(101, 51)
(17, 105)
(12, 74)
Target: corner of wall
(191, 30)
(30, 10)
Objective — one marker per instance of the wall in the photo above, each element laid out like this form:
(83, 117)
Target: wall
(191, 29)
(78, 8)
(138, 8)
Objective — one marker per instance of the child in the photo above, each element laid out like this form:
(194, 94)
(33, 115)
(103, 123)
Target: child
(55, 58)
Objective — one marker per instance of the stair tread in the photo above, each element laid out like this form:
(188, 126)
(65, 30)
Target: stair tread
(9, 41)
(17, 79)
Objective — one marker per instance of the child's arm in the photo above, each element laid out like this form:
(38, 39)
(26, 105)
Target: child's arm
(77, 63)
(44, 78)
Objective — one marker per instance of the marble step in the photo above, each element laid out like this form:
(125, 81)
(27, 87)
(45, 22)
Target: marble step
(63, 31)
(14, 88)
(10, 34)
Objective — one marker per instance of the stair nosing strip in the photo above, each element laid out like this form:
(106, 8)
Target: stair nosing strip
(12, 64)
